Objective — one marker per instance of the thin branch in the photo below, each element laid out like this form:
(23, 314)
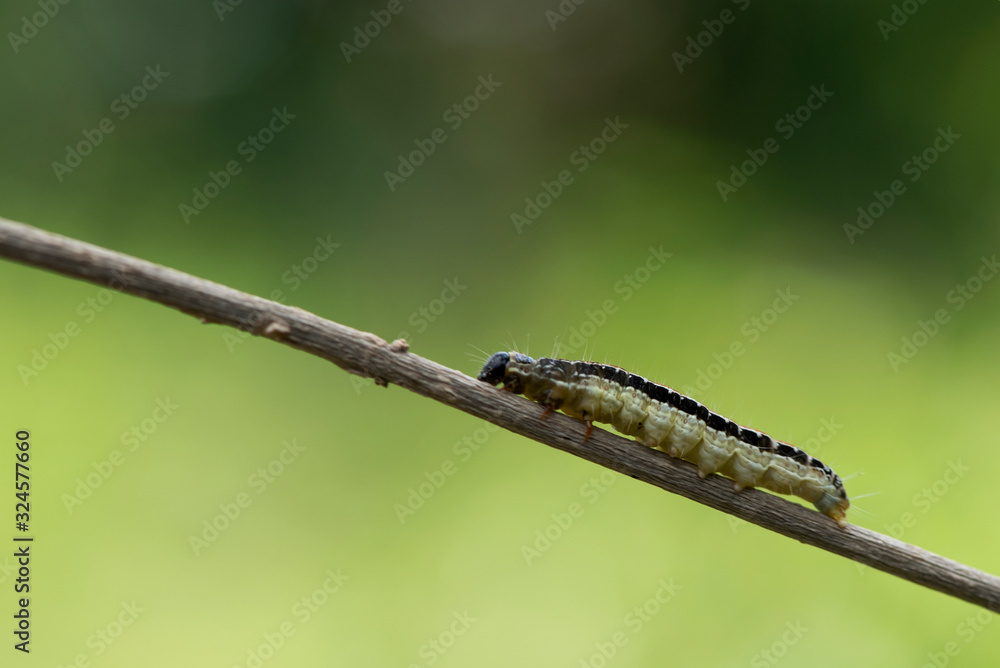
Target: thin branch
(367, 355)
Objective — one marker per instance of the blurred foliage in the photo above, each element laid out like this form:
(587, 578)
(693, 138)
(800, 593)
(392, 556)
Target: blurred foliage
(439, 258)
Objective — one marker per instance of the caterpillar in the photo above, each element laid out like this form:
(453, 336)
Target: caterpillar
(666, 420)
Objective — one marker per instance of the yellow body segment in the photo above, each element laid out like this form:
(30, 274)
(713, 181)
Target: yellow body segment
(660, 418)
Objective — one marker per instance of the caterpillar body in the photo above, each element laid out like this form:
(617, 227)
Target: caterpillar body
(666, 420)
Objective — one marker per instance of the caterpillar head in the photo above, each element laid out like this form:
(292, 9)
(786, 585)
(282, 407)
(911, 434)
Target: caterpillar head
(495, 370)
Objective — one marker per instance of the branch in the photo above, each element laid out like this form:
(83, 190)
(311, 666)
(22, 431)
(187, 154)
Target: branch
(365, 354)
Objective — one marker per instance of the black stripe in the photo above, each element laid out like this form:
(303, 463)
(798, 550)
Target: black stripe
(717, 422)
(674, 398)
(636, 382)
(617, 376)
(785, 450)
(688, 405)
(670, 397)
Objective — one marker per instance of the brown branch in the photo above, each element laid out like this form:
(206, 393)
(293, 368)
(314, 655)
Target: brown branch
(365, 354)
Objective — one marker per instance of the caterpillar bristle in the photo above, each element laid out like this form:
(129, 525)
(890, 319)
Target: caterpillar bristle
(664, 419)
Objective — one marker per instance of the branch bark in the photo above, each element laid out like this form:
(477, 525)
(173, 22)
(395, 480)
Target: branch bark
(365, 354)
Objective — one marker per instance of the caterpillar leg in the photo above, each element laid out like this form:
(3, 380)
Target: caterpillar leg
(834, 508)
(661, 418)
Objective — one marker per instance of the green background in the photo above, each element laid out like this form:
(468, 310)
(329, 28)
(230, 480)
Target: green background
(738, 591)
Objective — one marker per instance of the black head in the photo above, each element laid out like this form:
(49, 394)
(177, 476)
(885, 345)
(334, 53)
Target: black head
(495, 368)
